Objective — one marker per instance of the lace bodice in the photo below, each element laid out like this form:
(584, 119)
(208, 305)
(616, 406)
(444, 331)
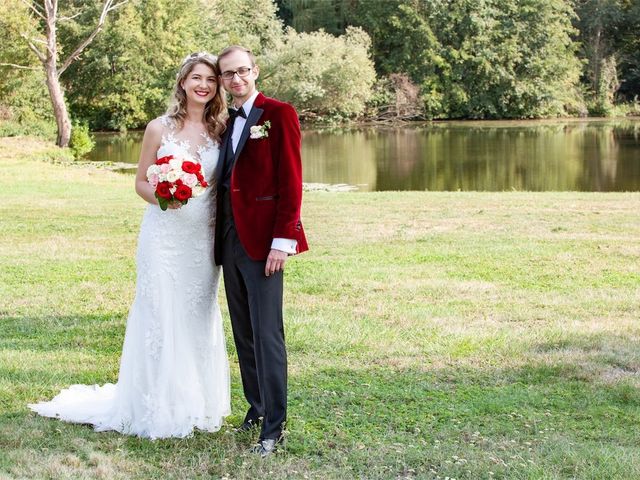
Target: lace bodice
(205, 152)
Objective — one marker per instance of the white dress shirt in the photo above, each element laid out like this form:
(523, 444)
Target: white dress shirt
(239, 122)
(286, 245)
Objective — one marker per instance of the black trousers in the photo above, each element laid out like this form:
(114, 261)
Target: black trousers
(255, 307)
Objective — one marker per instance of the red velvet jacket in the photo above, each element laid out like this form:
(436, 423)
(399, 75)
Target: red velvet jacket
(266, 180)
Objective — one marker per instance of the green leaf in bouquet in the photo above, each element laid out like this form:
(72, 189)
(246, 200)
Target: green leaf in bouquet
(162, 202)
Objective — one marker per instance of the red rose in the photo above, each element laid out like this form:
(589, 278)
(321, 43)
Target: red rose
(163, 160)
(204, 184)
(190, 167)
(182, 193)
(163, 190)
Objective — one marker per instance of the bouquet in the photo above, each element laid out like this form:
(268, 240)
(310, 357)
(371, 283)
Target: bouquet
(176, 180)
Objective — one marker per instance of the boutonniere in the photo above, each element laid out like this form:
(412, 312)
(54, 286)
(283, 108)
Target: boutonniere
(260, 131)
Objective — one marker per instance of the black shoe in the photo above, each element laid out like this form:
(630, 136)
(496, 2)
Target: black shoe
(248, 425)
(267, 446)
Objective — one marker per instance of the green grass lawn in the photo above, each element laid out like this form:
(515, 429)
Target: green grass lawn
(430, 335)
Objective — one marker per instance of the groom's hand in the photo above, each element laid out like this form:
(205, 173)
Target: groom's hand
(275, 262)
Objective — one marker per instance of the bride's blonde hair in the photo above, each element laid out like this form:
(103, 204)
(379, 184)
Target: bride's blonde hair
(215, 111)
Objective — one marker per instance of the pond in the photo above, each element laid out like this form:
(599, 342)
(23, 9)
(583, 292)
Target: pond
(541, 155)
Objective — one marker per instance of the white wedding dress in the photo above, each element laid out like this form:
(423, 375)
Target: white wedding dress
(174, 370)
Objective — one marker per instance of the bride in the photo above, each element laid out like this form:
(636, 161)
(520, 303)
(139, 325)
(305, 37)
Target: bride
(174, 371)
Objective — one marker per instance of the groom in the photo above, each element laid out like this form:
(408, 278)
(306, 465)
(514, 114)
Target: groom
(259, 192)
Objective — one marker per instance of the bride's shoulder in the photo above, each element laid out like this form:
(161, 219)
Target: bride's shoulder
(161, 122)
(153, 132)
(155, 127)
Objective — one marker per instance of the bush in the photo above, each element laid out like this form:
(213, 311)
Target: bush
(631, 108)
(36, 128)
(25, 106)
(395, 98)
(321, 75)
(81, 141)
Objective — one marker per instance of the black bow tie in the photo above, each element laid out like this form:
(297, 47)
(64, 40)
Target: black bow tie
(233, 113)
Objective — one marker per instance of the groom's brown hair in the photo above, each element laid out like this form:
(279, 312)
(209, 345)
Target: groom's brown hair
(237, 48)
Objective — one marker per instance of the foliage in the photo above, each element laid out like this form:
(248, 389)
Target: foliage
(24, 100)
(518, 59)
(126, 78)
(320, 74)
(488, 59)
(629, 54)
(15, 21)
(81, 140)
(470, 59)
(308, 16)
(26, 108)
(254, 25)
(395, 98)
(599, 23)
(37, 128)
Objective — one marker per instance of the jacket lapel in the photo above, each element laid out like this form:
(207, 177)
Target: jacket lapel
(226, 138)
(252, 119)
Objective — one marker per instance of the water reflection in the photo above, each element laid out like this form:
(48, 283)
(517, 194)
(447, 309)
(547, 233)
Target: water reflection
(117, 147)
(483, 156)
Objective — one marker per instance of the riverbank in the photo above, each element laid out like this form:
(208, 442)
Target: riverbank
(430, 335)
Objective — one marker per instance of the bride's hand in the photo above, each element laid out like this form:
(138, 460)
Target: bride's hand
(174, 205)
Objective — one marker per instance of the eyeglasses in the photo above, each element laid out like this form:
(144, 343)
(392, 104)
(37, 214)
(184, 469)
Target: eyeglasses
(242, 72)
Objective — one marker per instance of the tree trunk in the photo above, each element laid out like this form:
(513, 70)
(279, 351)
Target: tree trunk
(50, 63)
(597, 58)
(59, 107)
(48, 12)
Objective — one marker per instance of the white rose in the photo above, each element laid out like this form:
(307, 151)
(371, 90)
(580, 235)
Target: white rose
(256, 132)
(175, 164)
(172, 176)
(197, 191)
(153, 170)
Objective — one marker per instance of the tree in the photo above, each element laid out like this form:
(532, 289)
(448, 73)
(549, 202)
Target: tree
(599, 23)
(125, 79)
(610, 44)
(471, 58)
(24, 99)
(308, 15)
(320, 74)
(630, 53)
(508, 58)
(395, 98)
(405, 44)
(42, 39)
(254, 24)
(478, 58)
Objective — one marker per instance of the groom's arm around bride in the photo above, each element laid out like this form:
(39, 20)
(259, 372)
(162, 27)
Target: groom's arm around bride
(259, 194)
